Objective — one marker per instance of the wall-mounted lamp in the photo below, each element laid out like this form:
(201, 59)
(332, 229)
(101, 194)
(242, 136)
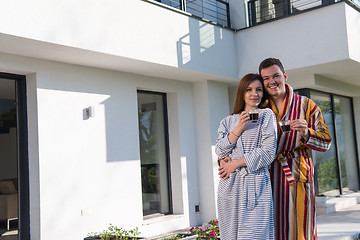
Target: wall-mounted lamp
(90, 111)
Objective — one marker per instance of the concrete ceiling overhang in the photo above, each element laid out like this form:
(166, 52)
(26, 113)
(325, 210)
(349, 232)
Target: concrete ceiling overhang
(344, 72)
(339, 77)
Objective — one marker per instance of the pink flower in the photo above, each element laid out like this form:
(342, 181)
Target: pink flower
(212, 233)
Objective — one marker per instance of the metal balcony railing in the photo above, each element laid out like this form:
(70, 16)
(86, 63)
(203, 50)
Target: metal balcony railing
(356, 3)
(216, 11)
(265, 10)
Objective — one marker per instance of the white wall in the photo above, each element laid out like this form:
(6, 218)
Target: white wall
(238, 14)
(299, 41)
(133, 29)
(218, 109)
(353, 31)
(92, 165)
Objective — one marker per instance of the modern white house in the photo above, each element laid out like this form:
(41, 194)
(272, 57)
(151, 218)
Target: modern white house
(109, 109)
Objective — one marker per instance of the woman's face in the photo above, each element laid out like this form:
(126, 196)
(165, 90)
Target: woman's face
(253, 95)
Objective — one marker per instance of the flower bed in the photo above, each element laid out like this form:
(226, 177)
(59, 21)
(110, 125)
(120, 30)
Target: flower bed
(209, 231)
(184, 236)
(114, 233)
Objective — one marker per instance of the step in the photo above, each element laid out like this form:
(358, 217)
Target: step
(326, 205)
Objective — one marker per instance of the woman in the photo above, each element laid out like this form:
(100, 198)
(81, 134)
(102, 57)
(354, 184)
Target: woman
(245, 151)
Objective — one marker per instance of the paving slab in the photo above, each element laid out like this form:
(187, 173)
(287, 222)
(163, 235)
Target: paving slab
(340, 225)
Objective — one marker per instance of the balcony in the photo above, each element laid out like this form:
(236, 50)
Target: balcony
(261, 11)
(216, 11)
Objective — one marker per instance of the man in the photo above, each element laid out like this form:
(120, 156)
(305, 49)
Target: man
(292, 173)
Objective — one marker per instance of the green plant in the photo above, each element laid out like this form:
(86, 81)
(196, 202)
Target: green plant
(174, 237)
(211, 231)
(113, 232)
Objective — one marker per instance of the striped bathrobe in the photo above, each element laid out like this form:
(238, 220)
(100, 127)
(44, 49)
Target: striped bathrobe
(245, 207)
(292, 172)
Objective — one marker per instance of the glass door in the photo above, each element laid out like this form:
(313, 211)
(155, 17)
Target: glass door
(154, 153)
(337, 170)
(14, 159)
(9, 161)
(326, 173)
(346, 144)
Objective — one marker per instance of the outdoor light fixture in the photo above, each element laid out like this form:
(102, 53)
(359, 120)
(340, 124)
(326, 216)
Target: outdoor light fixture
(90, 111)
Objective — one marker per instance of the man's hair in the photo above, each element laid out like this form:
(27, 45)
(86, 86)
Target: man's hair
(269, 62)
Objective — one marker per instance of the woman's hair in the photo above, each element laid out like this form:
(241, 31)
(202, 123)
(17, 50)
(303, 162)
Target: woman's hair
(239, 103)
(269, 62)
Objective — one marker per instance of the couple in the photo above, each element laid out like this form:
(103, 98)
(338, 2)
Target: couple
(253, 202)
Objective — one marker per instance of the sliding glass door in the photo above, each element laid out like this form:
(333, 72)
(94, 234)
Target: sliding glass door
(337, 170)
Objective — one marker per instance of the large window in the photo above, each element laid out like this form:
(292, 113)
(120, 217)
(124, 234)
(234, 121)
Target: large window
(9, 160)
(346, 143)
(326, 164)
(337, 170)
(265, 10)
(154, 153)
(14, 167)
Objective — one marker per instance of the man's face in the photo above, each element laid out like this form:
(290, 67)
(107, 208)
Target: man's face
(274, 80)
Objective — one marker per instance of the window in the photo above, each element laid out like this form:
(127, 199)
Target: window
(264, 10)
(154, 153)
(346, 143)
(337, 170)
(172, 3)
(325, 163)
(14, 166)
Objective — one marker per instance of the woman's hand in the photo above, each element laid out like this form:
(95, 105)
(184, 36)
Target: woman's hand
(244, 119)
(223, 160)
(227, 166)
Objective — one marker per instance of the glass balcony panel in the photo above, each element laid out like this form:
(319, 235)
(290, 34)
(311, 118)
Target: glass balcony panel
(172, 3)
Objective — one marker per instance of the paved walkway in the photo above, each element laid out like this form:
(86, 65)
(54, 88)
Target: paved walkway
(344, 224)
(340, 225)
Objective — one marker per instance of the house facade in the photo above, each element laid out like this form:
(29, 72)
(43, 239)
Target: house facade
(115, 105)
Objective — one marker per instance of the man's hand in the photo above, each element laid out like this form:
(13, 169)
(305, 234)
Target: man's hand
(301, 126)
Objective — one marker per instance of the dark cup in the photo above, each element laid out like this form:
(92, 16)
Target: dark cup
(254, 115)
(285, 126)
